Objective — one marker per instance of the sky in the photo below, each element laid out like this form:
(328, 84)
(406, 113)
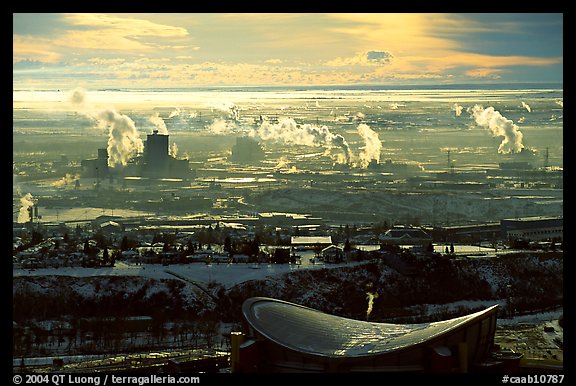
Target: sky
(171, 50)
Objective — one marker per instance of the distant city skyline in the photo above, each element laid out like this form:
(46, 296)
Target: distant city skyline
(167, 50)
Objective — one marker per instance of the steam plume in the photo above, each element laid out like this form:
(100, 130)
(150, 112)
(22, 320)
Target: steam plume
(499, 126)
(230, 108)
(370, 296)
(159, 123)
(66, 180)
(220, 126)
(176, 112)
(525, 105)
(457, 109)
(289, 132)
(27, 201)
(123, 136)
(560, 103)
(372, 147)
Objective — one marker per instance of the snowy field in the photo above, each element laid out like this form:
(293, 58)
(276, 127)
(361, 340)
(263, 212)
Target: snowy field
(227, 274)
(201, 273)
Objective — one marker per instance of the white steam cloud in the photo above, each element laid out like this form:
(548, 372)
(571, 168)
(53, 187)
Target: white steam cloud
(560, 103)
(499, 126)
(289, 132)
(27, 202)
(526, 106)
(159, 123)
(457, 109)
(174, 150)
(228, 107)
(68, 179)
(123, 137)
(220, 126)
(370, 297)
(372, 147)
(175, 113)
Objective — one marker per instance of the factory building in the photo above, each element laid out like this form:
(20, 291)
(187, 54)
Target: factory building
(406, 235)
(246, 150)
(96, 168)
(533, 228)
(155, 162)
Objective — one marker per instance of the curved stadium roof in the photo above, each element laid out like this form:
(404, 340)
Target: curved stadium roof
(310, 331)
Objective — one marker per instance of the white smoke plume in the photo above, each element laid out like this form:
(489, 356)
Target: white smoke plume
(370, 297)
(372, 146)
(499, 126)
(123, 137)
(68, 179)
(175, 113)
(228, 107)
(457, 109)
(220, 126)
(526, 106)
(289, 132)
(159, 123)
(27, 201)
(560, 103)
(174, 150)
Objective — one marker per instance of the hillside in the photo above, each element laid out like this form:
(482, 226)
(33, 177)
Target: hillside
(534, 281)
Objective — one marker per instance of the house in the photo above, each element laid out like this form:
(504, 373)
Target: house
(333, 254)
(110, 227)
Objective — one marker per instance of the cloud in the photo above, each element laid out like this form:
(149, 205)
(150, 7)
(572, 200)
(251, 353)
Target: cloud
(367, 58)
(33, 48)
(484, 73)
(162, 50)
(88, 31)
(380, 57)
(127, 26)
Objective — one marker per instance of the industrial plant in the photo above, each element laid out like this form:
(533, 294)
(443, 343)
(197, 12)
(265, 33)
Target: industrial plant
(154, 163)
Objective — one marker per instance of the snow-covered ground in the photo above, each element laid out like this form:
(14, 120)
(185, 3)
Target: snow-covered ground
(226, 274)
